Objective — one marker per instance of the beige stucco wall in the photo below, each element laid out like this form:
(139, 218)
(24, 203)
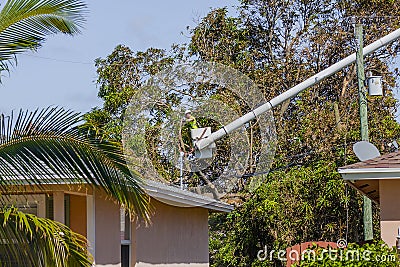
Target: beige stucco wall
(389, 191)
(177, 237)
(108, 237)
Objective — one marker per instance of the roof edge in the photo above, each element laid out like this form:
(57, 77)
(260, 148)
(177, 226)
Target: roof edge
(180, 198)
(369, 174)
(369, 170)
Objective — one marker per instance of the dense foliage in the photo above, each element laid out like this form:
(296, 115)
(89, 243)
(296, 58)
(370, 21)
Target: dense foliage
(119, 76)
(295, 206)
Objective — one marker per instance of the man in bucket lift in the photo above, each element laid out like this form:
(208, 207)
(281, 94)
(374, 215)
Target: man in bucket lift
(190, 120)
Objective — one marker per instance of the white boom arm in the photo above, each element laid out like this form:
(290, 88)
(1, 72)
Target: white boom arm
(203, 143)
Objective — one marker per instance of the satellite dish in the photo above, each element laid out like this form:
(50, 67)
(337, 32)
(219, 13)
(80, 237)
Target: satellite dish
(365, 150)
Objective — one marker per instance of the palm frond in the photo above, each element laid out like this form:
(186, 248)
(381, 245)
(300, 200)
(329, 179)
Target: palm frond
(47, 147)
(24, 24)
(27, 240)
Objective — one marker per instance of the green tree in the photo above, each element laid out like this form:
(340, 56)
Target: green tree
(122, 73)
(119, 77)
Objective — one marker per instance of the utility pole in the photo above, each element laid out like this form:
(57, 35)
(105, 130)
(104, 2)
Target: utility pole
(362, 93)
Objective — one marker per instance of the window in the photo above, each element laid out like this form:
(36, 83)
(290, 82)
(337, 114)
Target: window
(50, 208)
(33, 204)
(125, 239)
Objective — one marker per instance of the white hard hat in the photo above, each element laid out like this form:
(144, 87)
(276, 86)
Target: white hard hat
(188, 111)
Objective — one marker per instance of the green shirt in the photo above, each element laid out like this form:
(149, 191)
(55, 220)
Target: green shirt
(191, 122)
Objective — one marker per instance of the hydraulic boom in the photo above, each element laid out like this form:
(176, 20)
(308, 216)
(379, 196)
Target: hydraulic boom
(205, 142)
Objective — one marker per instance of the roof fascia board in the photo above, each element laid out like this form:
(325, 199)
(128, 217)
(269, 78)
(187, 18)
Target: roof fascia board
(359, 174)
(187, 200)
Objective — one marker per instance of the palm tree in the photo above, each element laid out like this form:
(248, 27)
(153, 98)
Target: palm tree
(48, 143)
(31, 241)
(24, 24)
(48, 147)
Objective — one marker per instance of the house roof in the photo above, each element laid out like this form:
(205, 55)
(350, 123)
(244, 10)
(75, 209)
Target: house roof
(391, 160)
(169, 194)
(182, 198)
(365, 175)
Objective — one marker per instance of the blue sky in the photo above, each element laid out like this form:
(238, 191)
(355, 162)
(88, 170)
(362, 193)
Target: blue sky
(62, 72)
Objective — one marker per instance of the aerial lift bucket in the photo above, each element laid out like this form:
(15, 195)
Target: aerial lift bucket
(199, 134)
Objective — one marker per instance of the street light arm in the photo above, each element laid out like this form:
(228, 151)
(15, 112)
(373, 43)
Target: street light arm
(236, 124)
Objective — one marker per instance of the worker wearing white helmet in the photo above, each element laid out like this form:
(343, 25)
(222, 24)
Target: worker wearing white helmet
(190, 120)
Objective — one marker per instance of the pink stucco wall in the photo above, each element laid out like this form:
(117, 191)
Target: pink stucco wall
(177, 237)
(108, 238)
(389, 191)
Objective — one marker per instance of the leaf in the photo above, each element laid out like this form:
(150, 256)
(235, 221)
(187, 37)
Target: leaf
(27, 240)
(25, 24)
